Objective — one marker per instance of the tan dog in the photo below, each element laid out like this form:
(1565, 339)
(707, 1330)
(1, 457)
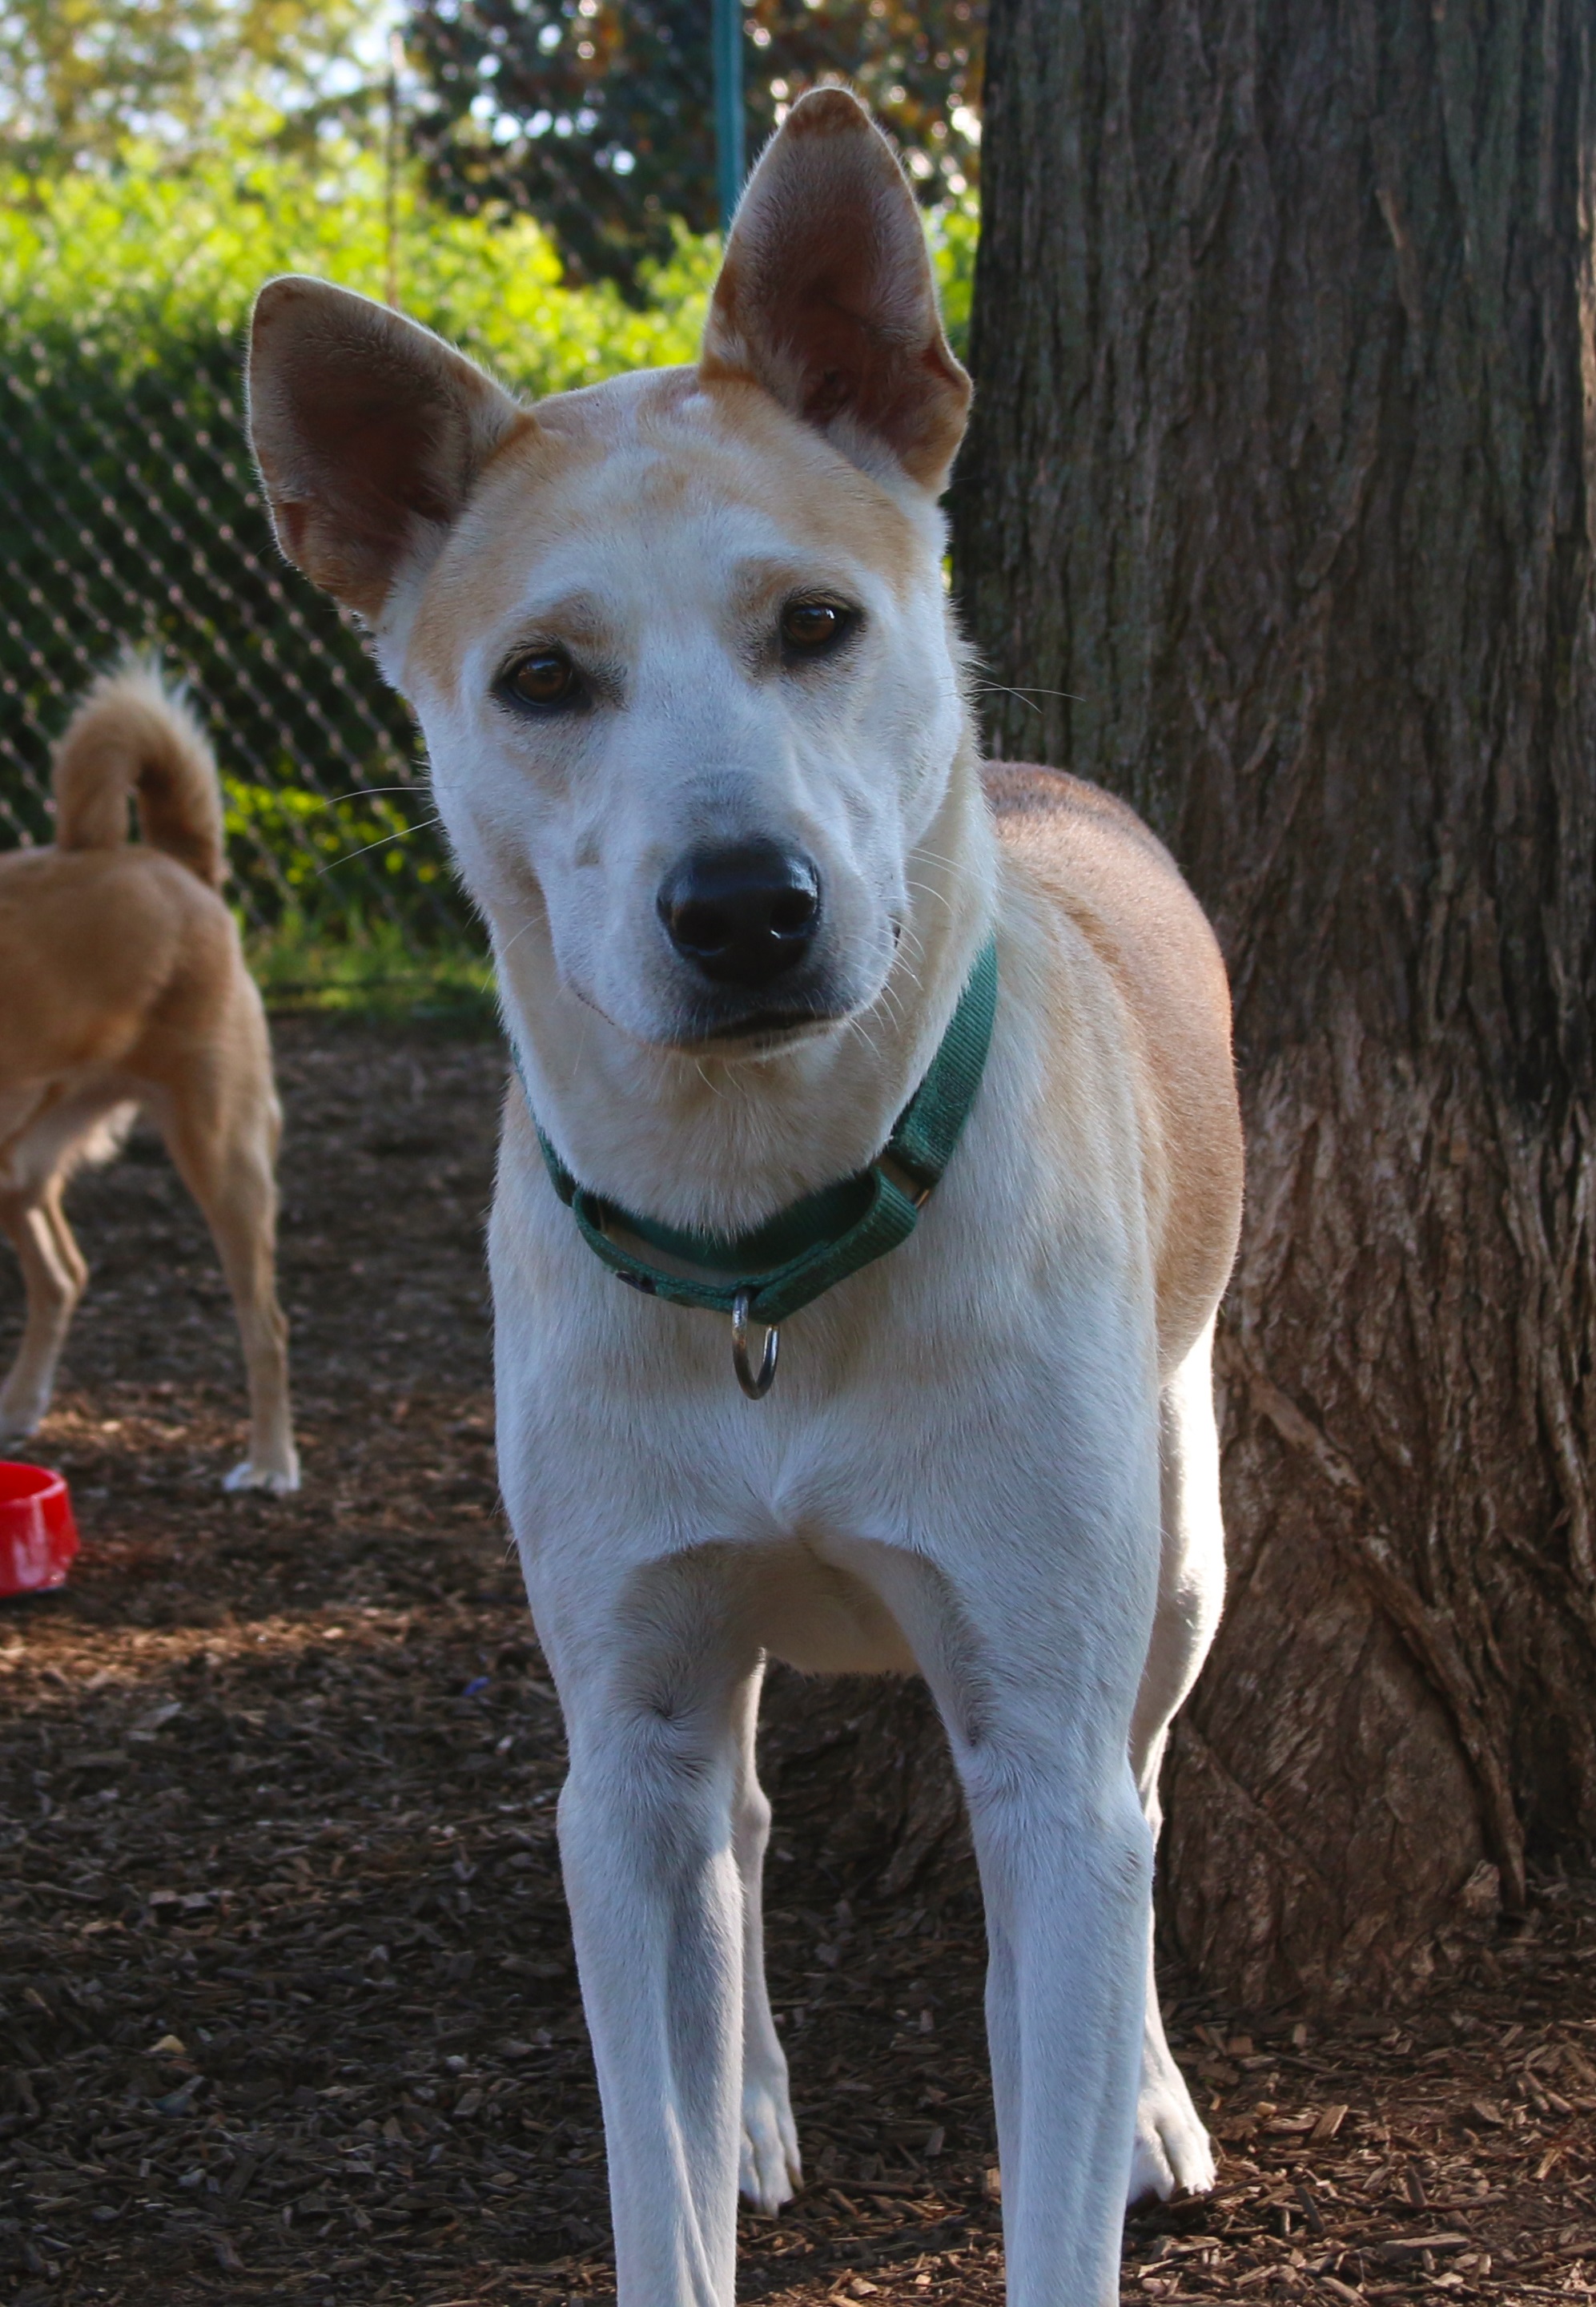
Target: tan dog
(123, 987)
(698, 728)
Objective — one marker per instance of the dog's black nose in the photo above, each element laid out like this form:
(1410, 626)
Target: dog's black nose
(745, 915)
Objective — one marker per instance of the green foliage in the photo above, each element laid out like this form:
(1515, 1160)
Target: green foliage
(596, 114)
(83, 81)
(128, 509)
(137, 264)
(954, 232)
(286, 848)
(135, 268)
(128, 513)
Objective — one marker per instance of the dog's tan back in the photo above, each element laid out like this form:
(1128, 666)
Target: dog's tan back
(108, 958)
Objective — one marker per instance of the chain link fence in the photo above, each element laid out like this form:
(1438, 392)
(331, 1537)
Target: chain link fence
(130, 513)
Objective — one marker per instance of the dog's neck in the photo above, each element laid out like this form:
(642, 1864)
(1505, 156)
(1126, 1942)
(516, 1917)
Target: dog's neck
(717, 1144)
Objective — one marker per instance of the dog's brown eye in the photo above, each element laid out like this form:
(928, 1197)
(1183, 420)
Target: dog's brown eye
(546, 677)
(810, 626)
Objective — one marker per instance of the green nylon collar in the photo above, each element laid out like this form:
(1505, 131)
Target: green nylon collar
(815, 1243)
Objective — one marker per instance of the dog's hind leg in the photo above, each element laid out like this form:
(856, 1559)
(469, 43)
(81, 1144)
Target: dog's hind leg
(1172, 2150)
(53, 1273)
(655, 1683)
(221, 1130)
(769, 2169)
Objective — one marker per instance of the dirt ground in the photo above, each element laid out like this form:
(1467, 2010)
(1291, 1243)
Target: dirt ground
(286, 1993)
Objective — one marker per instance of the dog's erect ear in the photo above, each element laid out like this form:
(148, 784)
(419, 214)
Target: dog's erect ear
(826, 296)
(369, 433)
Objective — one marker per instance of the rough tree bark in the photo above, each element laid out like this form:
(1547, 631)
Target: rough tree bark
(1277, 511)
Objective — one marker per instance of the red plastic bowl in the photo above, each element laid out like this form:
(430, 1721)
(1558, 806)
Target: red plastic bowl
(37, 1535)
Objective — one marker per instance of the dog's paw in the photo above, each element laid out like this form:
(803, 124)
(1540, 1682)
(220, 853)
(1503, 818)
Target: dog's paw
(18, 1420)
(1174, 2154)
(281, 1481)
(769, 2172)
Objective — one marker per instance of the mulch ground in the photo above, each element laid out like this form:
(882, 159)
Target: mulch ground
(286, 1996)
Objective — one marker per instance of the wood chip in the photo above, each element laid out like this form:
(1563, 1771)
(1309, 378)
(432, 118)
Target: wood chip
(1413, 2243)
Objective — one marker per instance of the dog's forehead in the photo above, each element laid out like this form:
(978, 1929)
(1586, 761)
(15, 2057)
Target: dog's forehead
(631, 476)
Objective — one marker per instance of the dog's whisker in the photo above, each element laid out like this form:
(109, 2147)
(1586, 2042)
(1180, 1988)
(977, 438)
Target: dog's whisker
(530, 923)
(940, 896)
(911, 937)
(350, 855)
(581, 1039)
(892, 1005)
(978, 679)
(859, 1027)
(359, 793)
(987, 688)
(1025, 695)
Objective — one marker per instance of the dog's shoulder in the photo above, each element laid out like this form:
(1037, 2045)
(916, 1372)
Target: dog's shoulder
(1085, 857)
(1094, 858)
(1051, 808)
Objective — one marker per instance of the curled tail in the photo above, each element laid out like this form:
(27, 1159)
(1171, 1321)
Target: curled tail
(132, 737)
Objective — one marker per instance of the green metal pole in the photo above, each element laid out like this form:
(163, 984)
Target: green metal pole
(726, 36)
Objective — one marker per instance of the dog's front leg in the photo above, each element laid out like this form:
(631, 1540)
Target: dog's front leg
(654, 1714)
(1066, 1879)
(1031, 1653)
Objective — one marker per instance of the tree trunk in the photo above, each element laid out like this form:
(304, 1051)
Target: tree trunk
(1275, 516)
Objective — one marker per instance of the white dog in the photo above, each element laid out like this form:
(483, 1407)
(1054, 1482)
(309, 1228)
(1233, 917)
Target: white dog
(683, 656)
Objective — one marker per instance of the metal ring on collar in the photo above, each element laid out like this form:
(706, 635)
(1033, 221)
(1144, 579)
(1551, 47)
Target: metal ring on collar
(756, 1385)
